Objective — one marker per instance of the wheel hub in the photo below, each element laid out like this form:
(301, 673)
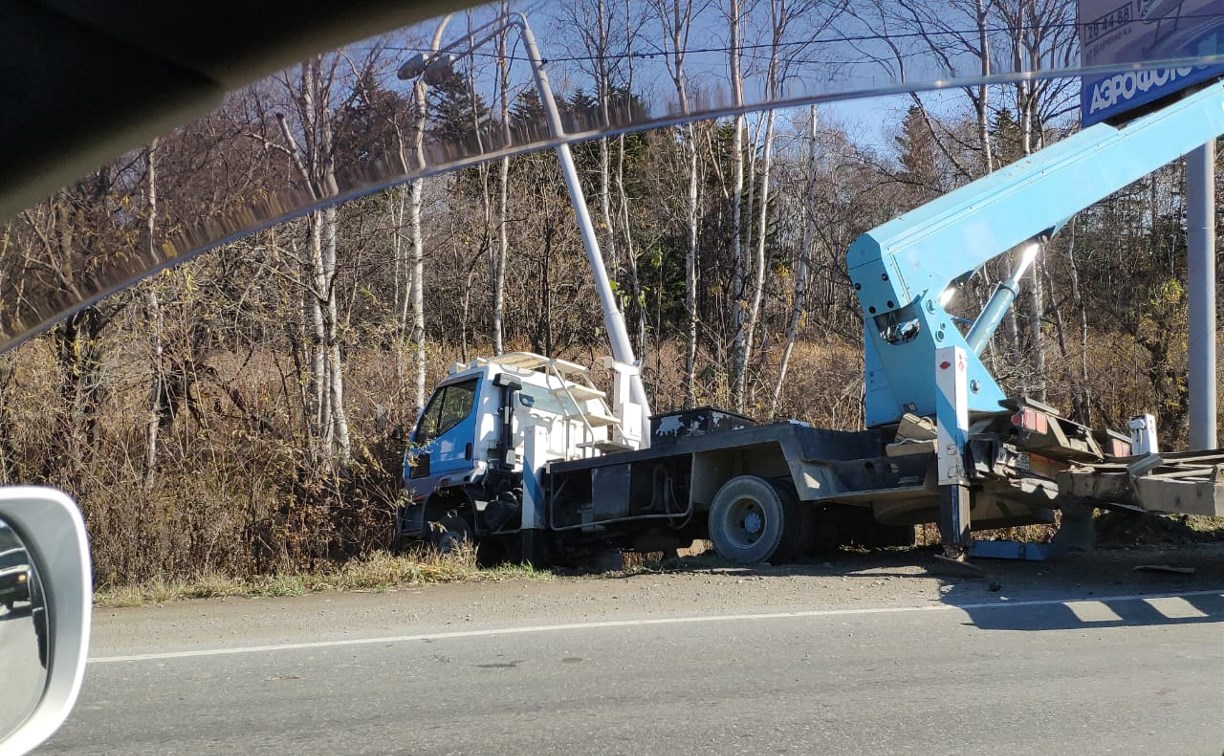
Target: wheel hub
(753, 523)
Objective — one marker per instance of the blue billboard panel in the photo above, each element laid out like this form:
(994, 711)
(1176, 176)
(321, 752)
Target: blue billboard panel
(1131, 31)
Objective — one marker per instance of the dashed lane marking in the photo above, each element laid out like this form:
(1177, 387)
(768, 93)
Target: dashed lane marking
(1093, 611)
(1176, 607)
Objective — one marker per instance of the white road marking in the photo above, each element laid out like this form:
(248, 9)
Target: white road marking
(597, 625)
(1175, 607)
(1093, 611)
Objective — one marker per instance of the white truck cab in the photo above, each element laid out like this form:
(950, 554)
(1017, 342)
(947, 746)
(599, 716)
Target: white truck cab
(491, 425)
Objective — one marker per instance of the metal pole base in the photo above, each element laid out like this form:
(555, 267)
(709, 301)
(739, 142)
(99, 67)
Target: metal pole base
(954, 519)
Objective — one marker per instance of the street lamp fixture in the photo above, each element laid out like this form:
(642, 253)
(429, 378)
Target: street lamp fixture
(434, 68)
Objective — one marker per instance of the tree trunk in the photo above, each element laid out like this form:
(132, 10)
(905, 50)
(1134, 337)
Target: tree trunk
(315, 162)
(1085, 398)
(153, 423)
(603, 92)
(321, 408)
(416, 201)
(623, 196)
(779, 18)
(417, 337)
(503, 198)
(677, 18)
(1036, 316)
(739, 273)
(401, 275)
(690, 274)
(981, 102)
(758, 281)
(335, 367)
(799, 297)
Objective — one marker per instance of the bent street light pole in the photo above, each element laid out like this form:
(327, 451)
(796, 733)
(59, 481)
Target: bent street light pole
(614, 321)
(1201, 281)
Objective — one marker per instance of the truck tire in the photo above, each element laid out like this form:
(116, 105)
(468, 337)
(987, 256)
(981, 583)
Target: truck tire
(755, 520)
(448, 532)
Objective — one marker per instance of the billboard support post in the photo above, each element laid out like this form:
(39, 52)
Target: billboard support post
(1127, 32)
(1201, 285)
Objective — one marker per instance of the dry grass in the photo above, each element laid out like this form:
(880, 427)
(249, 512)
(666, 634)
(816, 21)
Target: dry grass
(1113, 529)
(1125, 529)
(656, 562)
(235, 495)
(1204, 524)
(378, 572)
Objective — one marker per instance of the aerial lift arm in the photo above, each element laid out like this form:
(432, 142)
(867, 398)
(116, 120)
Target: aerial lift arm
(902, 269)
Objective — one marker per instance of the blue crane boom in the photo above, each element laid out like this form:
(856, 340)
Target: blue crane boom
(901, 269)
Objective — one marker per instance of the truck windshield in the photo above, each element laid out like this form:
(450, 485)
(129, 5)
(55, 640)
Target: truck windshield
(447, 408)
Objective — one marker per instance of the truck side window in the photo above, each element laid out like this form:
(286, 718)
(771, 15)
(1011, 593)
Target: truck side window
(448, 407)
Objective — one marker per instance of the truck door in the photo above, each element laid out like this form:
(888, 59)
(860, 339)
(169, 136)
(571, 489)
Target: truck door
(446, 431)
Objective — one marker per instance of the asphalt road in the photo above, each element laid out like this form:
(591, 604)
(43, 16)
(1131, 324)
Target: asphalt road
(1085, 673)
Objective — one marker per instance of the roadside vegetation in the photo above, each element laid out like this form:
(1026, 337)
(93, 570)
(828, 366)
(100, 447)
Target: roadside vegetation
(379, 571)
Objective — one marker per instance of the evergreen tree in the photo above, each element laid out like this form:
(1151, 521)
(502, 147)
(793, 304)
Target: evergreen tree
(369, 127)
(1009, 142)
(458, 115)
(918, 156)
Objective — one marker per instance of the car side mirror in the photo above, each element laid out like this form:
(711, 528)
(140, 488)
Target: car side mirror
(45, 595)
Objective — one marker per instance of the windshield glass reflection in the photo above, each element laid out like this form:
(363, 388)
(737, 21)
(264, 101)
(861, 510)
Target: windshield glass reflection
(476, 86)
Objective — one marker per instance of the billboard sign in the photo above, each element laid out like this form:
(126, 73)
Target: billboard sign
(1130, 31)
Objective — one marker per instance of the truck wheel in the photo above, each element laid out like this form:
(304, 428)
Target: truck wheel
(755, 520)
(448, 532)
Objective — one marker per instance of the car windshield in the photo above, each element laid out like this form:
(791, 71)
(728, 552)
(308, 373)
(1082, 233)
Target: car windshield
(467, 92)
(887, 286)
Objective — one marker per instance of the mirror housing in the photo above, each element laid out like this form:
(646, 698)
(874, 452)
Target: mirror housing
(53, 533)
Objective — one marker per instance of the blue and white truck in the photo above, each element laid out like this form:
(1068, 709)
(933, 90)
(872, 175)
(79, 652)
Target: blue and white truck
(524, 456)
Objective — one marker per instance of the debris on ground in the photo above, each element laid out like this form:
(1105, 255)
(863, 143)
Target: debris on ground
(1165, 568)
(1134, 529)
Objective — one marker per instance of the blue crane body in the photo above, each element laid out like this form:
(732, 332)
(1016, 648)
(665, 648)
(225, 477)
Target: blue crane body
(901, 269)
(520, 452)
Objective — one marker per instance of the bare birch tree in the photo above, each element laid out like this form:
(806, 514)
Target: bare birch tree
(315, 161)
(415, 203)
(739, 274)
(1041, 35)
(503, 193)
(153, 313)
(799, 292)
(676, 18)
(632, 24)
(781, 15)
(957, 26)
